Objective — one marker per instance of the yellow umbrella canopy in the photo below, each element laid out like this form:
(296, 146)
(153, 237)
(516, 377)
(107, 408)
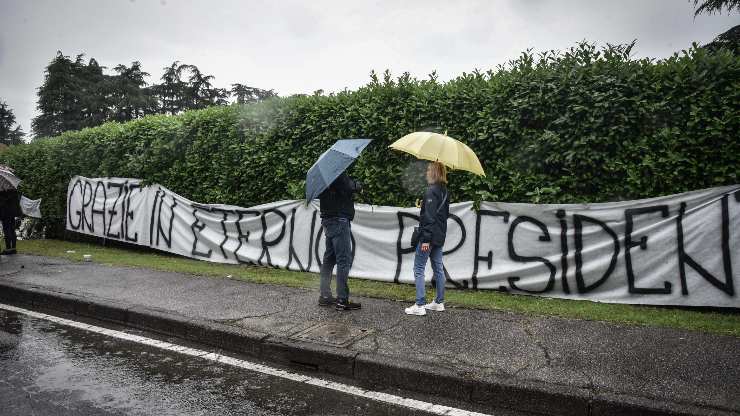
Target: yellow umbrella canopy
(440, 148)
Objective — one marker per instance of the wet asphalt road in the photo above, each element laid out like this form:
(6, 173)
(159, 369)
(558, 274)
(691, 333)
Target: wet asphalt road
(50, 369)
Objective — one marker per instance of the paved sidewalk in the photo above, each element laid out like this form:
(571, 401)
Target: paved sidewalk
(668, 371)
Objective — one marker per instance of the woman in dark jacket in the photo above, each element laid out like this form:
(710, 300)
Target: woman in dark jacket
(435, 209)
(10, 208)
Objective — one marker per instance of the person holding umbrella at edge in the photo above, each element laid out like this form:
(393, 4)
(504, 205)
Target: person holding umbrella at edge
(327, 180)
(10, 207)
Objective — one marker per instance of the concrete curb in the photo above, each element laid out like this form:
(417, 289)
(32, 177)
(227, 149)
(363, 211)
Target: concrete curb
(367, 369)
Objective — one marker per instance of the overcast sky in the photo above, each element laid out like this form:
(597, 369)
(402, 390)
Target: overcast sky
(302, 46)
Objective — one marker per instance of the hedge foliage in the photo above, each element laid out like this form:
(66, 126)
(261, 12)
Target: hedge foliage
(586, 125)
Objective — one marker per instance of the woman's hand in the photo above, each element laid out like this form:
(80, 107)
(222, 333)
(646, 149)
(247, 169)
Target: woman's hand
(425, 247)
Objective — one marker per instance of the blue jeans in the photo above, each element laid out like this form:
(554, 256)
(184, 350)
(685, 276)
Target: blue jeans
(420, 263)
(338, 252)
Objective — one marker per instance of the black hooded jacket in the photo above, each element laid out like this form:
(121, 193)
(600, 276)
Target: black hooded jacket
(337, 200)
(435, 208)
(10, 204)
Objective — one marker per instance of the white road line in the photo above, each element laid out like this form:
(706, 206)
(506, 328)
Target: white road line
(259, 368)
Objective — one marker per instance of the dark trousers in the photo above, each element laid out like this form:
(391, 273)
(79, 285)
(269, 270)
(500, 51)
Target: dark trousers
(9, 232)
(338, 252)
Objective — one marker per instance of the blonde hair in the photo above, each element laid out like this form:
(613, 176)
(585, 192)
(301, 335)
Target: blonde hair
(438, 172)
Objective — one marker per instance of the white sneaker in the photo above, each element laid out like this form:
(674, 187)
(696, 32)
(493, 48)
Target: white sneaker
(416, 310)
(434, 306)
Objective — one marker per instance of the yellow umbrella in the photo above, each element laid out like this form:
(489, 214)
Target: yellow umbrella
(440, 148)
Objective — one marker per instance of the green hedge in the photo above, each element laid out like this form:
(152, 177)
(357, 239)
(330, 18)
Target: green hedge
(585, 125)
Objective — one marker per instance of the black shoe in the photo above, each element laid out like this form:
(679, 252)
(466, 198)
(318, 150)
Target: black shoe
(327, 301)
(345, 305)
(8, 252)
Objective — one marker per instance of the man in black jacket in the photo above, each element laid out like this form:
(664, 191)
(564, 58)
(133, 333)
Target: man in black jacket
(10, 208)
(337, 213)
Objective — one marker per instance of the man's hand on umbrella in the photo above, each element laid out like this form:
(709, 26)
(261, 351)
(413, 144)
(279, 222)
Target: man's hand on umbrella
(358, 187)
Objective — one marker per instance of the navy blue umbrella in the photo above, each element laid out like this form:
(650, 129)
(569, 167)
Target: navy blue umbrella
(331, 164)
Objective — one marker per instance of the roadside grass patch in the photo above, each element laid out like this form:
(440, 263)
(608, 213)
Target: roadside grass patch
(723, 323)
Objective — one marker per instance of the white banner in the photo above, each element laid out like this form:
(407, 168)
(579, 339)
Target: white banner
(673, 250)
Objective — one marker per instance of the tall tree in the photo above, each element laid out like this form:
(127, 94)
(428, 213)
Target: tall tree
(130, 97)
(55, 97)
(218, 96)
(74, 95)
(728, 40)
(715, 6)
(171, 92)
(9, 135)
(245, 94)
(200, 91)
(185, 87)
(94, 93)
